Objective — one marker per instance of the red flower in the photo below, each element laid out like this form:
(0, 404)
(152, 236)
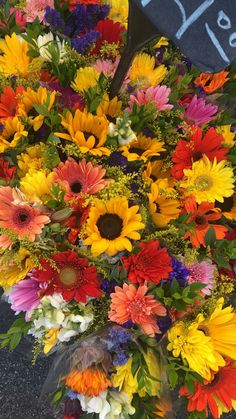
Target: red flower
(151, 264)
(76, 221)
(69, 275)
(110, 32)
(9, 101)
(187, 152)
(208, 395)
(201, 219)
(73, 3)
(6, 171)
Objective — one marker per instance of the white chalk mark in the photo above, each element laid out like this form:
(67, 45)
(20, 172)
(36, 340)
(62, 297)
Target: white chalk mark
(216, 43)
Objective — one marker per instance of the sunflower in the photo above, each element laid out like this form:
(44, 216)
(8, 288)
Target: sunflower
(143, 148)
(111, 225)
(221, 328)
(32, 159)
(89, 132)
(209, 181)
(162, 206)
(14, 59)
(85, 78)
(143, 72)
(39, 97)
(37, 186)
(110, 108)
(13, 271)
(228, 207)
(13, 131)
(119, 10)
(154, 171)
(227, 134)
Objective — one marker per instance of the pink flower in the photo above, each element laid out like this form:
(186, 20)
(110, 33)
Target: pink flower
(158, 95)
(80, 177)
(19, 17)
(198, 112)
(131, 303)
(202, 272)
(36, 8)
(25, 296)
(108, 68)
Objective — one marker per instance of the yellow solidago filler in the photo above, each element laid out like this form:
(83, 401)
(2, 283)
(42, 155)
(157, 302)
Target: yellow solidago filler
(143, 72)
(143, 148)
(31, 97)
(124, 380)
(193, 346)
(14, 59)
(12, 132)
(162, 206)
(119, 10)
(31, 160)
(228, 135)
(111, 225)
(85, 78)
(110, 108)
(87, 131)
(11, 272)
(209, 181)
(221, 328)
(37, 186)
(50, 339)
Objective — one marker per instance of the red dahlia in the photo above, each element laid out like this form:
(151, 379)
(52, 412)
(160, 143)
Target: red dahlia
(110, 33)
(187, 152)
(69, 275)
(6, 171)
(151, 264)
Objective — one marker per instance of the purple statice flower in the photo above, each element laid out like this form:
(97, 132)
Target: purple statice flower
(179, 272)
(72, 395)
(84, 18)
(128, 324)
(164, 323)
(117, 159)
(121, 358)
(199, 112)
(108, 286)
(84, 42)
(117, 343)
(24, 296)
(54, 19)
(119, 336)
(68, 98)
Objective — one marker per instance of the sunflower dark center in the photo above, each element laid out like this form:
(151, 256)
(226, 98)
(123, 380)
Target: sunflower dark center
(76, 187)
(197, 155)
(227, 205)
(109, 226)
(154, 178)
(136, 150)
(200, 220)
(89, 134)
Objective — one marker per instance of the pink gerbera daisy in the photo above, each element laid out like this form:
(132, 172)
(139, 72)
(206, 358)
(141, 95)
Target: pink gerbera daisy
(198, 112)
(202, 272)
(20, 217)
(25, 295)
(131, 303)
(158, 95)
(80, 177)
(37, 8)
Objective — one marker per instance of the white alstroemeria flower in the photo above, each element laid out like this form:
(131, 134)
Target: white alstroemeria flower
(120, 404)
(45, 41)
(97, 404)
(65, 335)
(55, 300)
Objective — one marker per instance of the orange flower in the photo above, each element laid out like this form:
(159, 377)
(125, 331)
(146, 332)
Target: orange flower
(89, 381)
(9, 101)
(131, 303)
(212, 82)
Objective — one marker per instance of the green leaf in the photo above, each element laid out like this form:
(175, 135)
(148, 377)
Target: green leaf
(210, 237)
(173, 378)
(14, 341)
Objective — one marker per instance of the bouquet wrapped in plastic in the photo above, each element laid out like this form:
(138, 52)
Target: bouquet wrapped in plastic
(117, 215)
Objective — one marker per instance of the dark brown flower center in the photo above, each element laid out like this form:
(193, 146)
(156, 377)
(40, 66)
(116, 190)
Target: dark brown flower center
(22, 217)
(76, 187)
(197, 155)
(200, 220)
(227, 205)
(109, 226)
(136, 150)
(89, 134)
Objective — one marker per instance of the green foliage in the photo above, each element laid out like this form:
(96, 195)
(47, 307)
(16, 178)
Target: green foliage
(17, 331)
(197, 415)
(223, 251)
(59, 395)
(144, 407)
(57, 200)
(142, 115)
(140, 367)
(178, 373)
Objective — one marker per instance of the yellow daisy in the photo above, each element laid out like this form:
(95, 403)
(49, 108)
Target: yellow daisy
(193, 346)
(31, 160)
(12, 132)
(143, 148)
(124, 380)
(163, 207)
(14, 58)
(13, 271)
(89, 132)
(37, 186)
(31, 97)
(85, 78)
(209, 181)
(228, 135)
(111, 225)
(110, 108)
(143, 72)
(119, 10)
(221, 328)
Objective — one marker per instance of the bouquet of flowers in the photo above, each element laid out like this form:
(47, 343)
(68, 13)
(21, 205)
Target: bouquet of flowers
(117, 214)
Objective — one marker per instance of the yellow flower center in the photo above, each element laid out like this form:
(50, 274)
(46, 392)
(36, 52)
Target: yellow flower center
(68, 276)
(203, 183)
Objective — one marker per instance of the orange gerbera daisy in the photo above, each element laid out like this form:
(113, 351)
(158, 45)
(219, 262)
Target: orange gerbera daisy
(9, 100)
(212, 82)
(201, 219)
(20, 217)
(131, 303)
(88, 382)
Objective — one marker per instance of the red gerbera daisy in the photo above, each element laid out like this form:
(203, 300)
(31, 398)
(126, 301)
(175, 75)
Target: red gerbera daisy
(110, 33)
(69, 275)
(6, 171)
(210, 395)
(201, 219)
(9, 100)
(151, 264)
(187, 152)
(77, 219)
